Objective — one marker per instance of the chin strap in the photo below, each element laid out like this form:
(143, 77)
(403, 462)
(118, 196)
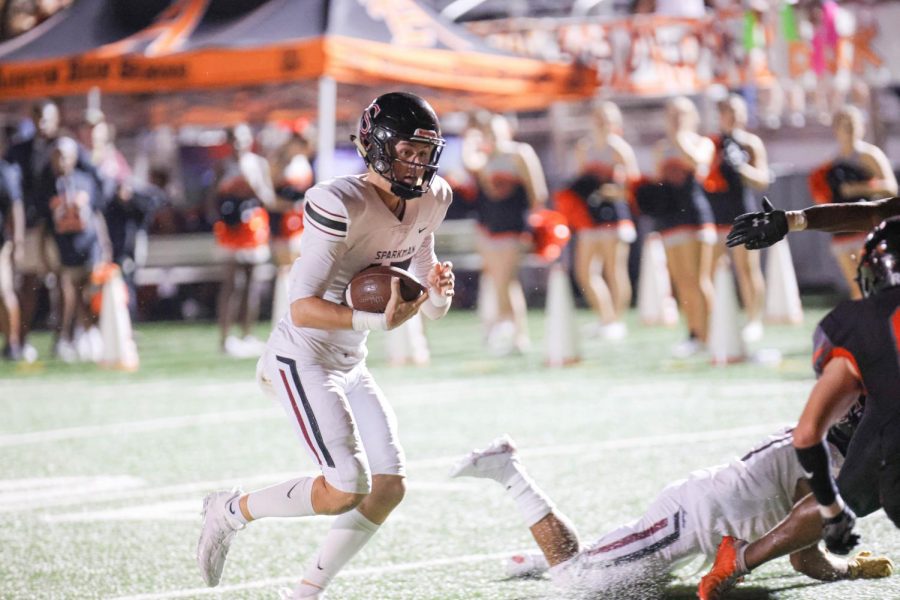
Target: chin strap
(404, 192)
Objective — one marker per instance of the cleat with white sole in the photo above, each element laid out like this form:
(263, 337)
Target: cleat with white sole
(217, 534)
(493, 462)
(520, 566)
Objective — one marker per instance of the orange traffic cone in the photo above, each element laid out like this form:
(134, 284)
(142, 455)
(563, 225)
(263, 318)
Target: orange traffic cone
(119, 349)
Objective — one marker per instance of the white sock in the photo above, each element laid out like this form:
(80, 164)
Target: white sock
(292, 498)
(347, 535)
(531, 501)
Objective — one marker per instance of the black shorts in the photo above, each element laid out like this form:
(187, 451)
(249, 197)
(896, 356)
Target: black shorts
(874, 446)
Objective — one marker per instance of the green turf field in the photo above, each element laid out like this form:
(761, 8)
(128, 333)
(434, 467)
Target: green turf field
(102, 473)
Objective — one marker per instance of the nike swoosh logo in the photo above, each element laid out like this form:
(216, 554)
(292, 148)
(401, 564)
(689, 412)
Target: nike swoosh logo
(423, 229)
(292, 489)
(318, 565)
(231, 508)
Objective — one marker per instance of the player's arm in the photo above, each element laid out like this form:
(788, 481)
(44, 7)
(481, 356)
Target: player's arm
(762, 229)
(438, 277)
(834, 393)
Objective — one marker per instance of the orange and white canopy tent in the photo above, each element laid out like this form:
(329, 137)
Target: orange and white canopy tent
(191, 46)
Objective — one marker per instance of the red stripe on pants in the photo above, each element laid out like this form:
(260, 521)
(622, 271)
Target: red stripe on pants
(297, 414)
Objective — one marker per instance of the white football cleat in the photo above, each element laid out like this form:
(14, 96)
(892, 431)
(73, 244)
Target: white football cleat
(520, 566)
(493, 462)
(215, 537)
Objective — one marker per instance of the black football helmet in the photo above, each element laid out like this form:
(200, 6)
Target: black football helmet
(394, 117)
(879, 267)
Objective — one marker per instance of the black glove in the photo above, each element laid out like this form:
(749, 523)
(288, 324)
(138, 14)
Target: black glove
(838, 532)
(759, 229)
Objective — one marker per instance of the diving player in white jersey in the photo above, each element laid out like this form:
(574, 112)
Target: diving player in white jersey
(314, 364)
(686, 520)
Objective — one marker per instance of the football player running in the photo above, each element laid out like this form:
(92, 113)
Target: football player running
(315, 365)
(686, 520)
(857, 350)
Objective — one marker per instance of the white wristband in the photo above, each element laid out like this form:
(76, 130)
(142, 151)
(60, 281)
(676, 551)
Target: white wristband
(796, 220)
(438, 299)
(829, 512)
(366, 321)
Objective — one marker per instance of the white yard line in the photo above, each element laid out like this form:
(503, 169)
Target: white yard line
(289, 581)
(198, 487)
(403, 398)
(71, 433)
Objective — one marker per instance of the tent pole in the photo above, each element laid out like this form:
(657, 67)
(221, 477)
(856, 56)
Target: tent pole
(327, 121)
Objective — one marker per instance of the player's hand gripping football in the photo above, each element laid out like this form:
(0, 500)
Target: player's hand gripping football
(866, 566)
(838, 532)
(758, 229)
(441, 281)
(397, 311)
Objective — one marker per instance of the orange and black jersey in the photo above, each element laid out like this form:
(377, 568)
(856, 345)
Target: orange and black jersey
(867, 332)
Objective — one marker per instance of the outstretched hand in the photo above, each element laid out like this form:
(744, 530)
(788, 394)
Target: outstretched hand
(758, 229)
(441, 280)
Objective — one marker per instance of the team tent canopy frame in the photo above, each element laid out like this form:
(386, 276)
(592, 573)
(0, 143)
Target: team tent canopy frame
(202, 45)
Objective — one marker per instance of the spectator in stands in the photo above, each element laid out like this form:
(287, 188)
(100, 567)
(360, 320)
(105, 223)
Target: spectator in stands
(72, 208)
(739, 167)
(510, 183)
(683, 217)
(12, 241)
(596, 208)
(241, 194)
(860, 171)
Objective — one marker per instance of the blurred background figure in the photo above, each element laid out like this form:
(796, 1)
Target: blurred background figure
(596, 208)
(240, 196)
(684, 218)
(72, 206)
(739, 167)
(32, 156)
(510, 183)
(293, 175)
(128, 211)
(860, 171)
(12, 242)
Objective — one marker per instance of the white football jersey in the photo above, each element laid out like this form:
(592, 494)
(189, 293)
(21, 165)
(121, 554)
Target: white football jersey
(348, 228)
(744, 498)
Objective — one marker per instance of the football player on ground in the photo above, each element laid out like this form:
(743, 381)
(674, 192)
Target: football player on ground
(315, 359)
(765, 228)
(857, 350)
(685, 521)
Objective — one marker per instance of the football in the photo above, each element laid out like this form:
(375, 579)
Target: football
(370, 289)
